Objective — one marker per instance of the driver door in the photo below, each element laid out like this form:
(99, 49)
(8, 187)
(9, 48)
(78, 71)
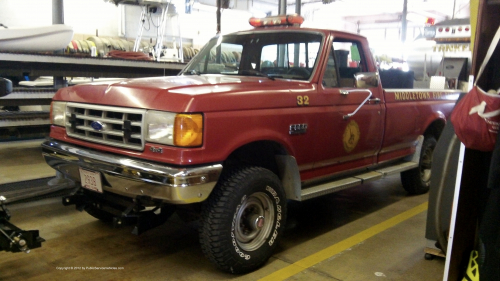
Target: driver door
(351, 130)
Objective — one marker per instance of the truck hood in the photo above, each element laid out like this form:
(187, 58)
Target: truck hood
(190, 93)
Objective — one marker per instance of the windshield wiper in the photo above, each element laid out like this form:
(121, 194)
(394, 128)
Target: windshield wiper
(192, 72)
(265, 75)
(257, 73)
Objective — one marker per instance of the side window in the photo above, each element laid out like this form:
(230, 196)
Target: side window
(269, 57)
(330, 77)
(349, 61)
(290, 60)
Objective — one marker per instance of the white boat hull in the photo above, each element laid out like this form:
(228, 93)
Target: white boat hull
(36, 39)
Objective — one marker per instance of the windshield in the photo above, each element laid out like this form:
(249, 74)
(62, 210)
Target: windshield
(290, 55)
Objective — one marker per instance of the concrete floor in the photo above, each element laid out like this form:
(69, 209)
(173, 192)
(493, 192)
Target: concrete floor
(335, 237)
(22, 161)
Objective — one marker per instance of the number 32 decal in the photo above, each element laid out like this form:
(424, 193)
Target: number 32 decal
(302, 100)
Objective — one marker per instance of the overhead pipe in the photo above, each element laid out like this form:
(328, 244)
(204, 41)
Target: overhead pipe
(219, 6)
(58, 18)
(282, 7)
(281, 48)
(57, 12)
(403, 21)
(296, 62)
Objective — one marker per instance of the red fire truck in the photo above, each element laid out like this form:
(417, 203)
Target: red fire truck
(256, 119)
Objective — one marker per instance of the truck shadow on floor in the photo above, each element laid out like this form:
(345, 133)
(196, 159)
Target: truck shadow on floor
(317, 216)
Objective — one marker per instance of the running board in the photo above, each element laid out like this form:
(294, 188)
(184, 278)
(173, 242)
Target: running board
(355, 180)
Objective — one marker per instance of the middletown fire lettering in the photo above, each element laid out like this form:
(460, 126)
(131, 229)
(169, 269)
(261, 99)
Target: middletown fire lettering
(412, 95)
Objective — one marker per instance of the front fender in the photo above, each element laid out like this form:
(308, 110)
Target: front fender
(226, 132)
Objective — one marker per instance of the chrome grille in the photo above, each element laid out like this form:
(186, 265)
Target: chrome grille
(114, 126)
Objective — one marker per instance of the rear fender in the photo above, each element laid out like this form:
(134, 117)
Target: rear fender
(434, 124)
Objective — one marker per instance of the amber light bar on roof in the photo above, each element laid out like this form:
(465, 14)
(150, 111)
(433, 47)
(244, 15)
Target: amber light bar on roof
(277, 20)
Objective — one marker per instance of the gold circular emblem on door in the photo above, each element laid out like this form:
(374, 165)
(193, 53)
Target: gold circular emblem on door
(351, 136)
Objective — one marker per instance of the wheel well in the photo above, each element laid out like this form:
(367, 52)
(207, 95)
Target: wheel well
(260, 153)
(435, 128)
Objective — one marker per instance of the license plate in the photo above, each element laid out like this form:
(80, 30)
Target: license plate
(91, 180)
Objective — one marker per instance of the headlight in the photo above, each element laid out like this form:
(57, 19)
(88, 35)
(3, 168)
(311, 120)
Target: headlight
(58, 113)
(184, 130)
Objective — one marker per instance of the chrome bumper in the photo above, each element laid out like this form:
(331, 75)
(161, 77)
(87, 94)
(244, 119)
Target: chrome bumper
(132, 177)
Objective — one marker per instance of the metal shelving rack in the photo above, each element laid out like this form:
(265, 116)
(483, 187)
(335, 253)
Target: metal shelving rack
(60, 65)
(18, 64)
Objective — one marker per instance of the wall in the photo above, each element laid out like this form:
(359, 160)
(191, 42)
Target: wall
(84, 15)
(325, 18)
(25, 13)
(88, 16)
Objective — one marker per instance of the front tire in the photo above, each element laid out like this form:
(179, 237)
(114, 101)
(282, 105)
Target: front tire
(418, 180)
(243, 219)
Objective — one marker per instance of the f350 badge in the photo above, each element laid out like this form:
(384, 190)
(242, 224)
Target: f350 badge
(351, 136)
(297, 129)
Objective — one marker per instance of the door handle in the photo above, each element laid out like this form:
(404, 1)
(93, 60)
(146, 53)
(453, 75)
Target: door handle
(374, 101)
(349, 115)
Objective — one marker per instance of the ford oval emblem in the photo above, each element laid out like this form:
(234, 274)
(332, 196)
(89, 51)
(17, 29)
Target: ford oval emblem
(98, 125)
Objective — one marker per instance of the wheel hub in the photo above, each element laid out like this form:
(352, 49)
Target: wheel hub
(258, 222)
(425, 170)
(254, 221)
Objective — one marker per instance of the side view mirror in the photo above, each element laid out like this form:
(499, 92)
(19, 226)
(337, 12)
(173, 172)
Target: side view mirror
(5, 87)
(364, 80)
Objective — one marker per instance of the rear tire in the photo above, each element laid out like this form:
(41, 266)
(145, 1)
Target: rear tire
(243, 219)
(418, 180)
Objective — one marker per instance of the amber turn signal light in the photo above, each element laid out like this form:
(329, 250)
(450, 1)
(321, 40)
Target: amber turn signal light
(188, 130)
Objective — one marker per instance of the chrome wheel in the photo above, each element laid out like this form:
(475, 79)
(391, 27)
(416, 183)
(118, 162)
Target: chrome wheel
(254, 221)
(425, 167)
(418, 180)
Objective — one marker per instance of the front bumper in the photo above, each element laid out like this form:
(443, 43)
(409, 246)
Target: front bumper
(132, 177)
